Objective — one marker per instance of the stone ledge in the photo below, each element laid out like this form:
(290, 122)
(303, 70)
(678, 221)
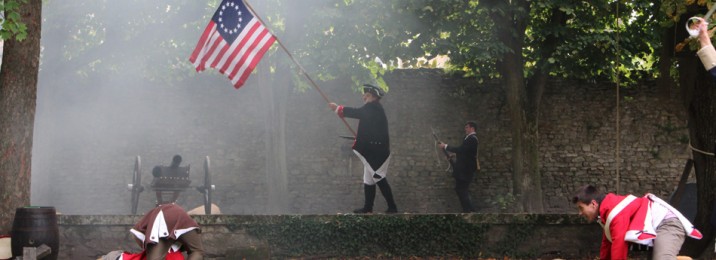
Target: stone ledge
(494, 219)
(229, 236)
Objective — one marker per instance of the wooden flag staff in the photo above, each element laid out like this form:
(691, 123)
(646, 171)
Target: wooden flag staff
(313, 83)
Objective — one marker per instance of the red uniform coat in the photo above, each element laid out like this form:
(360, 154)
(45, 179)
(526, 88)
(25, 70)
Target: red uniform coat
(634, 222)
(165, 221)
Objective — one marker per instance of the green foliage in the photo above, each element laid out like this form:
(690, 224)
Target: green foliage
(590, 48)
(503, 202)
(684, 139)
(133, 40)
(345, 39)
(654, 151)
(675, 10)
(12, 24)
(672, 132)
(669, 128)
(386, 236)
(351, 34)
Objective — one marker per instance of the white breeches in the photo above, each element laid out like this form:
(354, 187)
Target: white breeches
(368, 173)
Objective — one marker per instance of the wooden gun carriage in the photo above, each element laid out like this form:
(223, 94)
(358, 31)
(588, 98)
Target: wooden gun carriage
(169, 182)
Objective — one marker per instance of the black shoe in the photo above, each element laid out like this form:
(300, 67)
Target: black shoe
(391, 211)
(363, 211)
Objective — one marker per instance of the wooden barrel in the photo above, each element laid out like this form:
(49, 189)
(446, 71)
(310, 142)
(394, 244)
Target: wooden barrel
(5, 249)
(34, 226)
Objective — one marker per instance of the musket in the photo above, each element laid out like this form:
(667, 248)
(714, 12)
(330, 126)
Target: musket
(445, 152)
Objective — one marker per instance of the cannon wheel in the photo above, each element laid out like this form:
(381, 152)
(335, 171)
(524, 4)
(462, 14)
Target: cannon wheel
(207, 186)
(136, 183)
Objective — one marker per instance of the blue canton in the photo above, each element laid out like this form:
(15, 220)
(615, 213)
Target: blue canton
(231, 18)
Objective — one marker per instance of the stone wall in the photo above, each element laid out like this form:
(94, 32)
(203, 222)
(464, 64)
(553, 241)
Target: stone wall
(261, 139)
(228, 237)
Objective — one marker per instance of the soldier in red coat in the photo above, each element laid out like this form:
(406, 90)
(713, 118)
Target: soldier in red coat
(645, 220)
(166, 227)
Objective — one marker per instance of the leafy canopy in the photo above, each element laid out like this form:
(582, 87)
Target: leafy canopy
(11, 24)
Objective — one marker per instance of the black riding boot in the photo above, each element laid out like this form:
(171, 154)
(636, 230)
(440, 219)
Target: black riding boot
(369, 191)
(388, 194)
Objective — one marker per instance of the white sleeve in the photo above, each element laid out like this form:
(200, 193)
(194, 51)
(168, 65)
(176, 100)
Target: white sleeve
(707, 54)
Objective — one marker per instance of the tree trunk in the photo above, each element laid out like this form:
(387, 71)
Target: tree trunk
(523, 104)
(665, 83)
(533, 199)
(535, 88)
(274, 93)
(18, 92)
(515, 96)
(699, 96)
(511, 68)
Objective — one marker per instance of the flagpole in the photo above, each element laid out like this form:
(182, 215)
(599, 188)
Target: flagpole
(313, 83)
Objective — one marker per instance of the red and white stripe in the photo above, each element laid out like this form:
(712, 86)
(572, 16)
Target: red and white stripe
(238, 59)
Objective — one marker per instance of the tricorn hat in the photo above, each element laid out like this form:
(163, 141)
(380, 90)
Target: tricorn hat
(376, 91)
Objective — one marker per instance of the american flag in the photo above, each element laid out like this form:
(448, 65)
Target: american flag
(233, 42)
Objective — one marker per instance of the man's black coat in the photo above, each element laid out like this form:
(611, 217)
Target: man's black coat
(465, 159)
(372, 139)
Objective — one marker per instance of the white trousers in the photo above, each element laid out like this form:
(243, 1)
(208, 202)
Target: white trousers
(368, 173)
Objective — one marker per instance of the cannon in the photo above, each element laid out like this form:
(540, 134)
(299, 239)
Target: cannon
(170, 181)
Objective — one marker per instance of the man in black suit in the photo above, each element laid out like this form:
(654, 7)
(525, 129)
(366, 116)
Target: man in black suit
(372, 146)
(465, 165)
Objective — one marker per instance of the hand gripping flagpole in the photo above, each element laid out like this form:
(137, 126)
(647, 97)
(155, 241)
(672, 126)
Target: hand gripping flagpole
(313, 83)
(695, 32)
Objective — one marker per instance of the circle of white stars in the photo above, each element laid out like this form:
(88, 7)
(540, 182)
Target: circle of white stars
(227, 7)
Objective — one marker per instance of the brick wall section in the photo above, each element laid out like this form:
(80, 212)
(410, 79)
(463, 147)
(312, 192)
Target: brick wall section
(84, 152)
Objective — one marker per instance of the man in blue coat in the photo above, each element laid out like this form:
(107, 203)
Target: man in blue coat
(372, 146)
